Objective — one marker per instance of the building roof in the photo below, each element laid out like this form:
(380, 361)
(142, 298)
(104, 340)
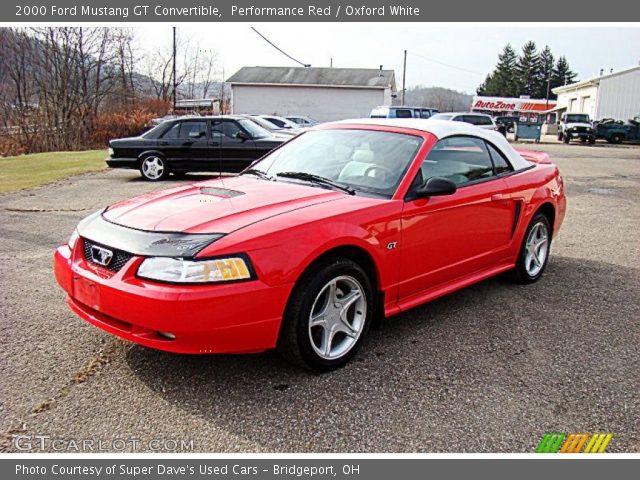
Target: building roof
(593, 80)
(315, 76)
(442, 129)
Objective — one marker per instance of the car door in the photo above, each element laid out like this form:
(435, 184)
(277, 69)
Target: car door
(448, 237)
(237, 149)
(185, 144)
(196, 150)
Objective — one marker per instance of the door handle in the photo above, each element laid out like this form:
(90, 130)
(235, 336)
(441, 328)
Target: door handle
(497, 197)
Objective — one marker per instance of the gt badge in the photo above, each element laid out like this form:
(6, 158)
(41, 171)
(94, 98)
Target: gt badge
(392, 245)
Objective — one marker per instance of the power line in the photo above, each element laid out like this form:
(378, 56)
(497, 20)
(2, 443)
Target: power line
(443, 63)
(279, 49)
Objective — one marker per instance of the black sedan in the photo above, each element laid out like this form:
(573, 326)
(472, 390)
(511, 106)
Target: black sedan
(190, 144)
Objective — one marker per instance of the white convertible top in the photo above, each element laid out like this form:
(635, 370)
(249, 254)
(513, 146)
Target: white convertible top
(442, 129)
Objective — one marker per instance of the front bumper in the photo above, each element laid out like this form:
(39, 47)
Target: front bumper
(581, 134)
(224, 318)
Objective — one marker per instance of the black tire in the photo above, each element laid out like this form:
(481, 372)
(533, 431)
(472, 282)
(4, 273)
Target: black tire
(560, 136)
(583, 139)
(592, 140)
(616, 138)
(161, 170)
(521, 273)
(566, 139)
(295, 339)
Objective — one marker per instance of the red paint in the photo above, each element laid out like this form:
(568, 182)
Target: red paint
(443, 244)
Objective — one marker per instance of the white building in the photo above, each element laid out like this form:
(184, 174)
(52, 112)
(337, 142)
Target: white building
(324, 94)
(615, 95)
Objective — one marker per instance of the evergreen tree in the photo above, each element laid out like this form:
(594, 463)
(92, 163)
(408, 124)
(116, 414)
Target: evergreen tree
(562, 74)
(526, 74)
(546, 71)
(528, 70)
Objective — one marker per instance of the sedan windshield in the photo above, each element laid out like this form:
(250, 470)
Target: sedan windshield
(577, 118)
(361, 160)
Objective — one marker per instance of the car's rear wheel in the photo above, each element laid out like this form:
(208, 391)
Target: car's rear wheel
(154, 167)
(534, 252)
(616, 138)
(327, 316)
(566, 138)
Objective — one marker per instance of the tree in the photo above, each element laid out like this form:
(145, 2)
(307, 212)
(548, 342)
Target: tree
(528, 70)
(562, 74)
(545, 72)
(501, 81)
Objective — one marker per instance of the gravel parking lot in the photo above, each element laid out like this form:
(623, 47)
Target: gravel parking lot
(491, 368)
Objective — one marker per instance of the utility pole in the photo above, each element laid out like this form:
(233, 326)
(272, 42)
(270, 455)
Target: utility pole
(404, 75)
(175, 81)
(548, 88)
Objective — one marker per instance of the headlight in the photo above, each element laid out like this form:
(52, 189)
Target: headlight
(110, 152)
(73, 239)
(177, 270)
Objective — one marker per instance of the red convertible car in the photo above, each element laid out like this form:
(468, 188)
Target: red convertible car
(300, 252)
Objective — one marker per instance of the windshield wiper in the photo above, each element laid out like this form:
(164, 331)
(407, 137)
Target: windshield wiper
(310, 177)
(258, 173)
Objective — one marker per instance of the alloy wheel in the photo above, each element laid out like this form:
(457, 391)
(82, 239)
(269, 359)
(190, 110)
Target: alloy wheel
(337, 317)
(537, 249)
(153, 167)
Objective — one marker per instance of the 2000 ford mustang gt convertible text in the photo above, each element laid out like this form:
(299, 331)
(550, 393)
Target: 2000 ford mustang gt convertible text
(301, 251)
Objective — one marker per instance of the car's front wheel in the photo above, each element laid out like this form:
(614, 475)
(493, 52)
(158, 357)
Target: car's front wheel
(154, 168)
(327, 316)
(534, 252)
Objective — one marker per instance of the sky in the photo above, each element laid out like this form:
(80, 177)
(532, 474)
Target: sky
(452, 56)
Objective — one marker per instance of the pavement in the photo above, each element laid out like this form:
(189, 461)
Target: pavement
(491, 368)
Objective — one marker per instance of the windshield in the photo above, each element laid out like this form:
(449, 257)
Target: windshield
(363, 160)
(255, 131)
(577, 118)
(442, 116)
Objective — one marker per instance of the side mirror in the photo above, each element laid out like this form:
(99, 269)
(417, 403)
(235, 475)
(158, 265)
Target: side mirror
(241, 136)
(436, 186)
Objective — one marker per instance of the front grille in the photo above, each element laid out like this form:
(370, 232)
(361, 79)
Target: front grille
(118, 260)
(580, 129)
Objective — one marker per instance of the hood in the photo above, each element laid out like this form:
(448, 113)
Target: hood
(215, 206)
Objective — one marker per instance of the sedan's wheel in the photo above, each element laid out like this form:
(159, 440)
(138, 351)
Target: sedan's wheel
(154, 168)
(327, 316)
(534, 252)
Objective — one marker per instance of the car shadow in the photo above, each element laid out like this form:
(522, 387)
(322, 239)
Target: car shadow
(489, 368)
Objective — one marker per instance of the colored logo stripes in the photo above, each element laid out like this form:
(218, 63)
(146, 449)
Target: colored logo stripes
(574, 443)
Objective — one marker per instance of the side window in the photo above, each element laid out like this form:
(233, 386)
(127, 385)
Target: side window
(173, 132)
(459, 118)
(403, 113)
(228, 128)
(424, 114)
(460, 159)
(193, 130)
(499, 161)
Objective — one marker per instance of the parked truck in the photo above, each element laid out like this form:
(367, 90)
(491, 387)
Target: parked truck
(616, 131)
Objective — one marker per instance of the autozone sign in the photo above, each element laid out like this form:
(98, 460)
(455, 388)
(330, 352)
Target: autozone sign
(511, 104)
